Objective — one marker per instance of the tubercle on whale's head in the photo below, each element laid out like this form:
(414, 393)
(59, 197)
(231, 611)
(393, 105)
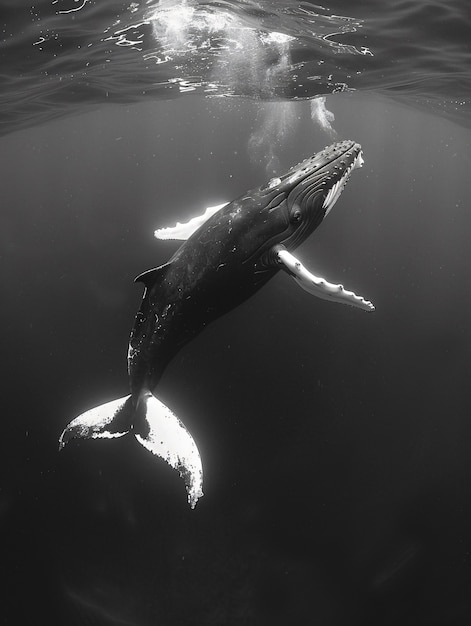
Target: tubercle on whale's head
(312, 187)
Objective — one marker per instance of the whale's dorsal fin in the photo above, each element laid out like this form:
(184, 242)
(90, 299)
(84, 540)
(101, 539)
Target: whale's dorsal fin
(317, 285)
(149, 277)
(184, 231)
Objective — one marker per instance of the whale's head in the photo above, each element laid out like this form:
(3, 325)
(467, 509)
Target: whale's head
(304, 196)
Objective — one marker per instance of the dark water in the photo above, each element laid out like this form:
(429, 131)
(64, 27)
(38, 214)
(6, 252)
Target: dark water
(336, 444)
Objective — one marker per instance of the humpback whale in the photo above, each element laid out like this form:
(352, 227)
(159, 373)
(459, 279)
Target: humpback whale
(227, 254)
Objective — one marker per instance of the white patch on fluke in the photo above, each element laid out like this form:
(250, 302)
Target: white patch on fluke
(334, 193)
(169, 439)
(94, 423)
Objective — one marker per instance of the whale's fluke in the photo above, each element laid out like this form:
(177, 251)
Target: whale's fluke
(167, 437)
(107, 421)
(154, 426)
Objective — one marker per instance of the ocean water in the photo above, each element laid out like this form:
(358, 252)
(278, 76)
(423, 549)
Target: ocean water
(66, 56)
(336, 444)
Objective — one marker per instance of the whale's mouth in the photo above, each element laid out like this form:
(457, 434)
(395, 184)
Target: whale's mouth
(314, 186)
(334, 192)
(325, 172)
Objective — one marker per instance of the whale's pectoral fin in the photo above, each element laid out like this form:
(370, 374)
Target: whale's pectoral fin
(315, 284)
(163, 434)
(107, 421)
(184, 231)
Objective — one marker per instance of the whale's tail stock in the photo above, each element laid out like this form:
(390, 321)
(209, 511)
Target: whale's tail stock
(154, 426)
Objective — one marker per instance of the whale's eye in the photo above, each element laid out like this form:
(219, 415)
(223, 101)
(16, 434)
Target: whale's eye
(296, 215)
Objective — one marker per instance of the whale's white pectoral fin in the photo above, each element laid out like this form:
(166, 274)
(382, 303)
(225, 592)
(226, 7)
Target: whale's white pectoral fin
(184, 231)
(319, 286)
(166, 436)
